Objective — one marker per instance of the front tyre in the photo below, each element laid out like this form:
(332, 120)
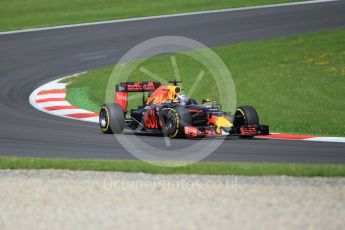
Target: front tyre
(245, 115)
(176, 120)
(111, 119)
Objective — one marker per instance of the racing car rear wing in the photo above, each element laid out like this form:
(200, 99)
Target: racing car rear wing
(143, 86)
(122, 89)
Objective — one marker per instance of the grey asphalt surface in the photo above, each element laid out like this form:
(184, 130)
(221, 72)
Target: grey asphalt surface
(28, 60)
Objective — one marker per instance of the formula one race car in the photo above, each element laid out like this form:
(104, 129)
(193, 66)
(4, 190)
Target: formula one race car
(166, 110)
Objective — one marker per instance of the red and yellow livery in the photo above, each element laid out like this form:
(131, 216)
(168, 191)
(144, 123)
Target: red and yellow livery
(166, 110)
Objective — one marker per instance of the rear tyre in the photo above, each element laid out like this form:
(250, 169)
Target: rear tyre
(245, 115)
(111, 119)
(176, 120)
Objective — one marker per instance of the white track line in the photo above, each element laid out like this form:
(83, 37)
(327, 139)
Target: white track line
(51, 95)
(167, 16)
(63, 112)
(328, 139)
(51, 103)
(91, 119)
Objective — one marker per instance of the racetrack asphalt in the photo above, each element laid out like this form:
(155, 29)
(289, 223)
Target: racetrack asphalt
(27, 60)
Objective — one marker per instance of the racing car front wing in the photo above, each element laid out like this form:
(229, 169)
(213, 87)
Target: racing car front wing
(243, 131)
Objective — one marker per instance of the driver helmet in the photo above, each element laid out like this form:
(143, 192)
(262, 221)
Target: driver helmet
(182, 98)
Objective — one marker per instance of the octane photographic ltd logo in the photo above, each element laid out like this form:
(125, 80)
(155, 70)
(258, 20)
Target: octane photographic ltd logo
(179, 53)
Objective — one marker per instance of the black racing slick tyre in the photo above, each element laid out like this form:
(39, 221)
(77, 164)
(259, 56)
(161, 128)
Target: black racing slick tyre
(245, 115)
(111, 119)
(176, 119)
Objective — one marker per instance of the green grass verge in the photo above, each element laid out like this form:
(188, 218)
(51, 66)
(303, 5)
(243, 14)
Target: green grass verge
(207, 168)
(295, 83)
(24, 14)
